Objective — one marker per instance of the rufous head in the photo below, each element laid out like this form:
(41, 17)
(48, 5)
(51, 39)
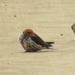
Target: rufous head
(28, 32)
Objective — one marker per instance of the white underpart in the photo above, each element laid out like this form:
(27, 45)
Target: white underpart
(28, 44)
(31, 45)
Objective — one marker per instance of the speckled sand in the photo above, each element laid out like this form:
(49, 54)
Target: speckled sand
(51, 20)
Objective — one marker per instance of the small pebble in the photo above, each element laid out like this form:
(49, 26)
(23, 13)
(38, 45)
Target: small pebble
(15, 16)
(61, 34)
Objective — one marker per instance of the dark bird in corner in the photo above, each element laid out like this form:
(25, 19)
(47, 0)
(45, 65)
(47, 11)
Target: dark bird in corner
(31, 42)
(73, 27)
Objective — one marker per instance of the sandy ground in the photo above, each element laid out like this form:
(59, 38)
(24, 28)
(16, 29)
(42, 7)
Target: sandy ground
(51, 20)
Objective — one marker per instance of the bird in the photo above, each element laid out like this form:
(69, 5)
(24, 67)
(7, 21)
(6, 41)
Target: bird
(73, 28)
(31, 42)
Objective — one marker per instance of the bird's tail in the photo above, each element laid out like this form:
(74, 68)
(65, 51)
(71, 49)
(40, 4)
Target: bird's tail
(50, 43)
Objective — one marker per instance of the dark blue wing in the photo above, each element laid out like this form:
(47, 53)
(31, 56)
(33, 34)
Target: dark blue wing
(39, 41)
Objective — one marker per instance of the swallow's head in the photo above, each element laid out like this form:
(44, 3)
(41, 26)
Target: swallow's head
(28, 32)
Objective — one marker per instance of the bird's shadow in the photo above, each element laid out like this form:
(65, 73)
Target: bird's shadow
(41, 51)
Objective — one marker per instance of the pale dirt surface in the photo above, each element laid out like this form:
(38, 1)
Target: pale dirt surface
(49, 19)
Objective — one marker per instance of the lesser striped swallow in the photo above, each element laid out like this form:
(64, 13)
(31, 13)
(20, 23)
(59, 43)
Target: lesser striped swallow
(31, 42)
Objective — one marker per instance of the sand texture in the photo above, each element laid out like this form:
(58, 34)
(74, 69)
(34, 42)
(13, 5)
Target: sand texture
(52, 21)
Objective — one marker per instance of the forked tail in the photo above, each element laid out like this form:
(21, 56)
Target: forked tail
(50, 43)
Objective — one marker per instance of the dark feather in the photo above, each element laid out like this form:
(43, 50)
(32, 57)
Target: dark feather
(50, 42)
(39, 41)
